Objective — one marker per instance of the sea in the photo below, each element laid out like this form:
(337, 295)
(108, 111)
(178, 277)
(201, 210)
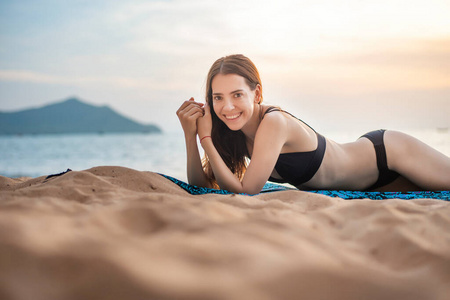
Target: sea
(39, 155)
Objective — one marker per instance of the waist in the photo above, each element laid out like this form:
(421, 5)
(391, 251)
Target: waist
(298, 168)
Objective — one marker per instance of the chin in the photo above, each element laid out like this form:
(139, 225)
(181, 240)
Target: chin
(233, 127)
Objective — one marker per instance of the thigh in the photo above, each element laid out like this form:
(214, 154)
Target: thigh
(401, 184)
(416, 161)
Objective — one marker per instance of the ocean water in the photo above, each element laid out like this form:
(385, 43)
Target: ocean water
(38, 155)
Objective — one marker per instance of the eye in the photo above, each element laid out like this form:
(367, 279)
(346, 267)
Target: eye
(237, 95)
(217, 98)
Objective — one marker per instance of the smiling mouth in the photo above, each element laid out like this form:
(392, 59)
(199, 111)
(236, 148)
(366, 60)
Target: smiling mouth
(232, 117)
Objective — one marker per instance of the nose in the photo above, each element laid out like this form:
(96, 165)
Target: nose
(228, 105)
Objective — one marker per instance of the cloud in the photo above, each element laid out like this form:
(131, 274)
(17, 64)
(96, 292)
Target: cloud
(370, 66)
(107, 81)
(28, 76)
(113, 51)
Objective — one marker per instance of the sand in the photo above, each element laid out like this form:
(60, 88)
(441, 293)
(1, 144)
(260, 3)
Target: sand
(117, 233)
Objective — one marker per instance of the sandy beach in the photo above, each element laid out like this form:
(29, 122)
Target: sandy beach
(118, 233)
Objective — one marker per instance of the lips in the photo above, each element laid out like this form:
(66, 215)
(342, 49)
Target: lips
(232, 117)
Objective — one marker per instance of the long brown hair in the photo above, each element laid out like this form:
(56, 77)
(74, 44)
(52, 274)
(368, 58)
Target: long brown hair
(230, 144)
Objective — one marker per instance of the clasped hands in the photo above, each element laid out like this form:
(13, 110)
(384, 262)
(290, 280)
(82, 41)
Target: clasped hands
(195, 118)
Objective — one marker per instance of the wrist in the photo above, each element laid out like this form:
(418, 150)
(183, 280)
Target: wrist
(203, 138)
(190, 137)
(207, 144)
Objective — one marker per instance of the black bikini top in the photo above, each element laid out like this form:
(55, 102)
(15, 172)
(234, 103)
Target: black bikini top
(299, 167)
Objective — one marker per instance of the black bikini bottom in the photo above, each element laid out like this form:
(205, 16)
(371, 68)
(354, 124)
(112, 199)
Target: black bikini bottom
(385, 176)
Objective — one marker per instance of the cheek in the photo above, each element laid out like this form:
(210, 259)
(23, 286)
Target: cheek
(216, 108)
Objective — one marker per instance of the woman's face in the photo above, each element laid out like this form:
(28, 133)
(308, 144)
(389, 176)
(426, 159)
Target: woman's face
(233, 100)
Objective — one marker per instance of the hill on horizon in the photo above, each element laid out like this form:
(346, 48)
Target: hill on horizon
(70, 116)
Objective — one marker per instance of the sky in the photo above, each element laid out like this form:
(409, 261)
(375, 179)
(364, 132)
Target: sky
(339, 65)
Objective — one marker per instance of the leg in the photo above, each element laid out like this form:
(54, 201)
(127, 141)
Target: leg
(385, 175)
(400, 184)
(416, 161)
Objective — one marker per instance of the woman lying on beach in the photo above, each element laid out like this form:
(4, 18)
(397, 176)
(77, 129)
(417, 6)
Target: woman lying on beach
(234, 126)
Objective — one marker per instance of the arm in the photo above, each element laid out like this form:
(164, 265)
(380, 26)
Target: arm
(188, 113)
(269, 140)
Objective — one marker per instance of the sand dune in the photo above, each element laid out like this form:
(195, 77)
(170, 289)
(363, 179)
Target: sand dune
(116, 233)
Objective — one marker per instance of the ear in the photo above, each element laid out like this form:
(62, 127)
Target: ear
(258, 94)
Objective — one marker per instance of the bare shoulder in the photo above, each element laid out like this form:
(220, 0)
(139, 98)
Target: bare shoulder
(271, 135)
(274, 119)
(273, 130)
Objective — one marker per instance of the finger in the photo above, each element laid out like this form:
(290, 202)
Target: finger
(183, 106)
(187, 104)
(196, 115)
(207, 109)
(199, 103)
(194, 110)
(187, 113)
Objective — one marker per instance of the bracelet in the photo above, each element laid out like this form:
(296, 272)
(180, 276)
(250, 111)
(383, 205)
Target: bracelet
(208, 136)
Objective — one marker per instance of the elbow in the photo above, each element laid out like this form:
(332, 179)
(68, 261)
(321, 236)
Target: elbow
(240, 190)
(251, 190)
(200, 183)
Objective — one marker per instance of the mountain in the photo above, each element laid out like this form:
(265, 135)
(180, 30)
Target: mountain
(69, 116)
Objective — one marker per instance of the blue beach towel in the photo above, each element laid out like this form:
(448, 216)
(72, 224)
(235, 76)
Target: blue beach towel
(272, 187)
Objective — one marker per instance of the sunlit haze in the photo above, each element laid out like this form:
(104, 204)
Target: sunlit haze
(340, 65)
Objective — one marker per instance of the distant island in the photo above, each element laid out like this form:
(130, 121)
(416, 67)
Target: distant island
(70, 116)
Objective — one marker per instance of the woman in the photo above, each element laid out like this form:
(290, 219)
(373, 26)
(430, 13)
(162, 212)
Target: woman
(233, 126)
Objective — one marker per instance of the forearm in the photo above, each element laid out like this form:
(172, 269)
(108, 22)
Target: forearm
(224, 177)
(195, 174)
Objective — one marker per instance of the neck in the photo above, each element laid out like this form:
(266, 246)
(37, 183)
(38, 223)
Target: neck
(252, 126)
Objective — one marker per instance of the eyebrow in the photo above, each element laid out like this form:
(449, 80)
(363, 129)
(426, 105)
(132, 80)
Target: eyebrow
(230, 93)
